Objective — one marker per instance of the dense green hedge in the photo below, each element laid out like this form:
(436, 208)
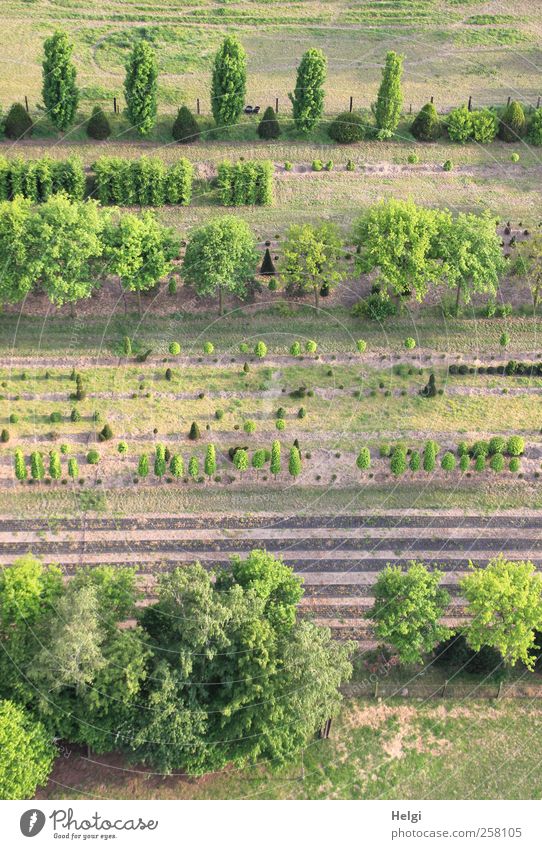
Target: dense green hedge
(246, 183)
(38, 179)
(145, 181)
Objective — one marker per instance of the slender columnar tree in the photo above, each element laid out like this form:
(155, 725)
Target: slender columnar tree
(60, 92)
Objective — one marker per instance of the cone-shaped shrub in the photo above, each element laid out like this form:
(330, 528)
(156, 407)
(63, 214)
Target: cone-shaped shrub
(269, 127)
(18, 123)
(185, 127)
(268, 267)
(426, 125)
(98, 127)
(512, 122)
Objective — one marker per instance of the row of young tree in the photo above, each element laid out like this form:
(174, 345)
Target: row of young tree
(412, 247)
(217, 670)
(503, 606)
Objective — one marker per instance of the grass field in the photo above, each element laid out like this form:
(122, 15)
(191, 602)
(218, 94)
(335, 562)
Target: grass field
(389, 750)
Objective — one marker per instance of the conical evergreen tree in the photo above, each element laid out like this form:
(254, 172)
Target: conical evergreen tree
(98, 126)
(185, 127)
(268, 267)
(269, 127)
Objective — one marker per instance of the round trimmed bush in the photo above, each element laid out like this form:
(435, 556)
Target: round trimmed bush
(448, 165)
(497, 463)
(426, 126)
(361, 345)
(185, 127)
(347, 128)
(410, 343)
(13, 418)
(464, 462)
(280, 424)
(295, 349)
(174, 349)
(448, 462)
(459, 125)
(208, 348)
(98, 127)
(515, 464)
(515, 446)
(497, 445)
(260, 349)
(93, 457)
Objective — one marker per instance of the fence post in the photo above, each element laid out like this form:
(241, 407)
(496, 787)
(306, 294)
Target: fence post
(538, 102)
(197, 105)
(276, 106)
(470, 103)
(351, 102)
(376, 689)
(114, 106)
(444, 688)
(26, 104)
(499, 691)
(431, 98)
(410, 110)
(509, 99)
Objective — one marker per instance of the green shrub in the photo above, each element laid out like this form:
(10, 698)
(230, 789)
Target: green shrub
(361, 345)
(185, 127)
(93, 457)
(514, 157)
(317, 165)
(194, 432)
(464, 462)
(426, 126)
(13, 418)
(145, 181)
(497, 445)
(174, 349)
(280, 424)
(246, 183)
(347, 128)
(398, 463)
(98, 127)
(363, 461)
(376, 307)
(484, 126)
(514, 464)
(18, 123)
(535, 127)
(448, 462)
(515, 446)
(260, 349)
(512, 122)
(448, 165)
(350, 165)
(415, 461)
(410, 343)
(269, 127)
(480, 463)
(208, 348)
(288, 166)
(105, 434)
(459, 125)
(497, 462)
(4, 435)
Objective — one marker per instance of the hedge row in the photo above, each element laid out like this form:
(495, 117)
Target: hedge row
(145, 181)
(246, 183)
(38, 179)
(512, 367)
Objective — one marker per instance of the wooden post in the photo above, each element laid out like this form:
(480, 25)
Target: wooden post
(26, 104)
(431, 98)
(509, 99)
(276, 106)
(470, 103)
(197, 105)
(538, 102)
(410, 110)
(444, 688)
(499, 691)
(351, 102)
(376, 689)
(114, 105)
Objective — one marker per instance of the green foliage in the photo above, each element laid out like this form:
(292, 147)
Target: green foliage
(140, 87)
(484, 126)
(347, 128)
(415, 461)
(38, 179)
(185, 127)
(18, 123)
(426, 126)
(515, 446)
(269, 127)
(464, 462)
(60, 92)
(429, 457)
(26, 753)
(448, 461)
(145, 181)
(258, 459)
(37, 469)
(448, 165)
(55, 469)
(308, 96)
(174, 349)
(472, 260)
(363, 461)
(459, 125)
(93, 457)
(311, 257)
(246, 183)
(260, 349)
(267, 267)
(210, 460)
(535, 127)
(398, 462)
(21, 472)
(228, 87)
(240, 460)
(505, 606)
(361, 346)
(193, 468)
(389, 101)
(410, 343)
(275, 458)
(194, 432)
(176, 466)
(220, 256)
(497, 462)
(512, 122)
(143, 466)
(407, 610)
(98, 126)
(73, 468)
(294, 462)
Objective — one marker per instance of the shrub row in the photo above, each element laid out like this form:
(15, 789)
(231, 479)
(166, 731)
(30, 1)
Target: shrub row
(246, 183)
(145, 181)
(38, 179)
(512, 367)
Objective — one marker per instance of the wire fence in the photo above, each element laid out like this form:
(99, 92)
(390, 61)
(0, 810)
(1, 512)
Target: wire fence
(446, 690)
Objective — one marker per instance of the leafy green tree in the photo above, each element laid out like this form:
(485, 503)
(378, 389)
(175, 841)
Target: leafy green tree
(37, 469)
(275, 458)
(269, 127)
(426, 126)
(497, 463)
(139, 250)
(399, 239)
(535, 127)
(127, 346)
(448, 461)
(295, 349)
(505, 606)
(60, 92)
(294, 462)
(143, 466)
(260, 349)
(527, 265)
(55, 469)
(471, 255)
(464, 462)
(26, 753)
(258, 459)
(66, 242)
(73, 468)
(160, 461)
(415, 461)
(240, 460)
(398, 462)
(122, 448)
(407, 610)
(210, 460)
(193, 468)
(185, 127)
(20, 266)
(176, 466)
(308, 96)
(480, 463)
(311, 258)
(21, 472)
(229, 80)
(389, 101)
(140, 87)
(429, 458)
(363, 461)
(220, 257)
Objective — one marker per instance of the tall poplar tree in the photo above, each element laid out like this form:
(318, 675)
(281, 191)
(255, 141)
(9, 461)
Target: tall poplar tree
(229, 82)
(308, 96)
(60, 92)
(140, 87)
